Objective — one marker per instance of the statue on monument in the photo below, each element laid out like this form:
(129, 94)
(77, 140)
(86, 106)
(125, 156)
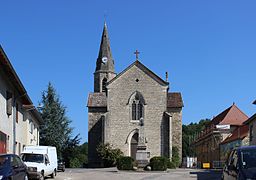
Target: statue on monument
(141, 155)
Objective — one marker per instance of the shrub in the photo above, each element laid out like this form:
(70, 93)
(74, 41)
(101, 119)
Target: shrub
(108, 154)
(125, 163)
(75, 163)
(158, 163)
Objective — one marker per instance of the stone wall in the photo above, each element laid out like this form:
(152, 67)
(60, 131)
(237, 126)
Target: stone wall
(95, 134)
(253, 125)
(119, 119)
(176, 128)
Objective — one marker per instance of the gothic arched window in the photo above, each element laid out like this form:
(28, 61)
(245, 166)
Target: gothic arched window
(104, 84)
(137, 106)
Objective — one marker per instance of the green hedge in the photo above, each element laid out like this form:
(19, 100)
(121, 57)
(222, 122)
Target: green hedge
(125, 163)
(158, 163)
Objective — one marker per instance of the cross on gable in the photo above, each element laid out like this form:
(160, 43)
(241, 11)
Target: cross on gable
(137, 54)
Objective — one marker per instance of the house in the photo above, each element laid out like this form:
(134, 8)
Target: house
(251, 122)
(221, 127)
(19, 120)
(239, 137)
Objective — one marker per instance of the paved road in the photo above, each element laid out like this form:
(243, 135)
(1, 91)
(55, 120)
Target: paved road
(114, 174)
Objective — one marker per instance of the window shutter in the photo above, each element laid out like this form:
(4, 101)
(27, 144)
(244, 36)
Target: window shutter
(8, 103)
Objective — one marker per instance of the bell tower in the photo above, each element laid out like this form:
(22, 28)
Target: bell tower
(105, 70)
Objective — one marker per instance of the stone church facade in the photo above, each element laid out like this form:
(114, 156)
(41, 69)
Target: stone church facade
(120, 101)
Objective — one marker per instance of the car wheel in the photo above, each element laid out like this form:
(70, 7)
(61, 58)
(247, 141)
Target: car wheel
(26, 177)
(54, 174)
(42, 176)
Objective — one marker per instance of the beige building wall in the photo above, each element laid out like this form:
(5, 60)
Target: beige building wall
(25, 119)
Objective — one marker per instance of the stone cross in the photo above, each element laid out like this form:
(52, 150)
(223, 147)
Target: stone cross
(137, 54)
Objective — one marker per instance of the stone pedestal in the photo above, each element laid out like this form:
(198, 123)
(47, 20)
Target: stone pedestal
(142, 156)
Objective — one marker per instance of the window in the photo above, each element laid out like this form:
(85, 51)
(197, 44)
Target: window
(31, 124)
(251, 132)
(137, 106)
(104, 84)
(8, 103)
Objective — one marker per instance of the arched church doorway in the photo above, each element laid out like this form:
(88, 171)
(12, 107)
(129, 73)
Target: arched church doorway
(134, 144)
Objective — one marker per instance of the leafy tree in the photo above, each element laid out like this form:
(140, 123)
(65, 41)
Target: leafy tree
(189, 134)
(56, 130)
(76, 156)
(108, 154)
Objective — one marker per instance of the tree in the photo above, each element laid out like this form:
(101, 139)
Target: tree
(56, 130)
(189, 133)
(76, 156)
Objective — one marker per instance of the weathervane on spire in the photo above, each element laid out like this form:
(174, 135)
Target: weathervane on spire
(137, 54)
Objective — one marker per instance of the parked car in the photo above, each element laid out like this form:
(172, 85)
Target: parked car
(241, 164)
(12, 167)
(40, 160)
(61, 165)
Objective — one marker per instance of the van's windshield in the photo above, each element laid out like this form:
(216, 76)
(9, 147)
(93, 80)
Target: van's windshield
(248, 158)
(39, 158)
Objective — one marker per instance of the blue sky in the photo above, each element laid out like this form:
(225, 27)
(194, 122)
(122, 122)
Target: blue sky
(208, 48)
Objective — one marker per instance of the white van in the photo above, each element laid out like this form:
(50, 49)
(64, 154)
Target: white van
(40, 160)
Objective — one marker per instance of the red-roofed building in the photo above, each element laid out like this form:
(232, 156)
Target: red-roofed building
(251, 122)
(239, 137)
(220, 129)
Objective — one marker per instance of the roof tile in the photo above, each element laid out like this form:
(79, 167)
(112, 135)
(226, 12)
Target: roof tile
(232, 116)
(97, 100)
(239, 133)
(174, 100)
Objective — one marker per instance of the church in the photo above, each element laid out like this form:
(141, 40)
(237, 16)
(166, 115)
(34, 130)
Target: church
(132, 108)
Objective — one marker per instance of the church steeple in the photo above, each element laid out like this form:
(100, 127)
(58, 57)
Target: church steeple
(105, 61)
(105, 70)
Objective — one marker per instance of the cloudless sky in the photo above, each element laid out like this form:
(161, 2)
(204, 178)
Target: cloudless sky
(208, 47)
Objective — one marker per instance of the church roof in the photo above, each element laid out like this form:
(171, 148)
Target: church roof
(105, 53)
(97, 100)
(174, 100)
(232, 116)
(145, 70)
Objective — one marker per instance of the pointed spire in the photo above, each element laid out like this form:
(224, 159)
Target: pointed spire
(105, 61)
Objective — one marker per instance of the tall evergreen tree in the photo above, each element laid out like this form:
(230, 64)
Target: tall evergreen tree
(56, 130)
